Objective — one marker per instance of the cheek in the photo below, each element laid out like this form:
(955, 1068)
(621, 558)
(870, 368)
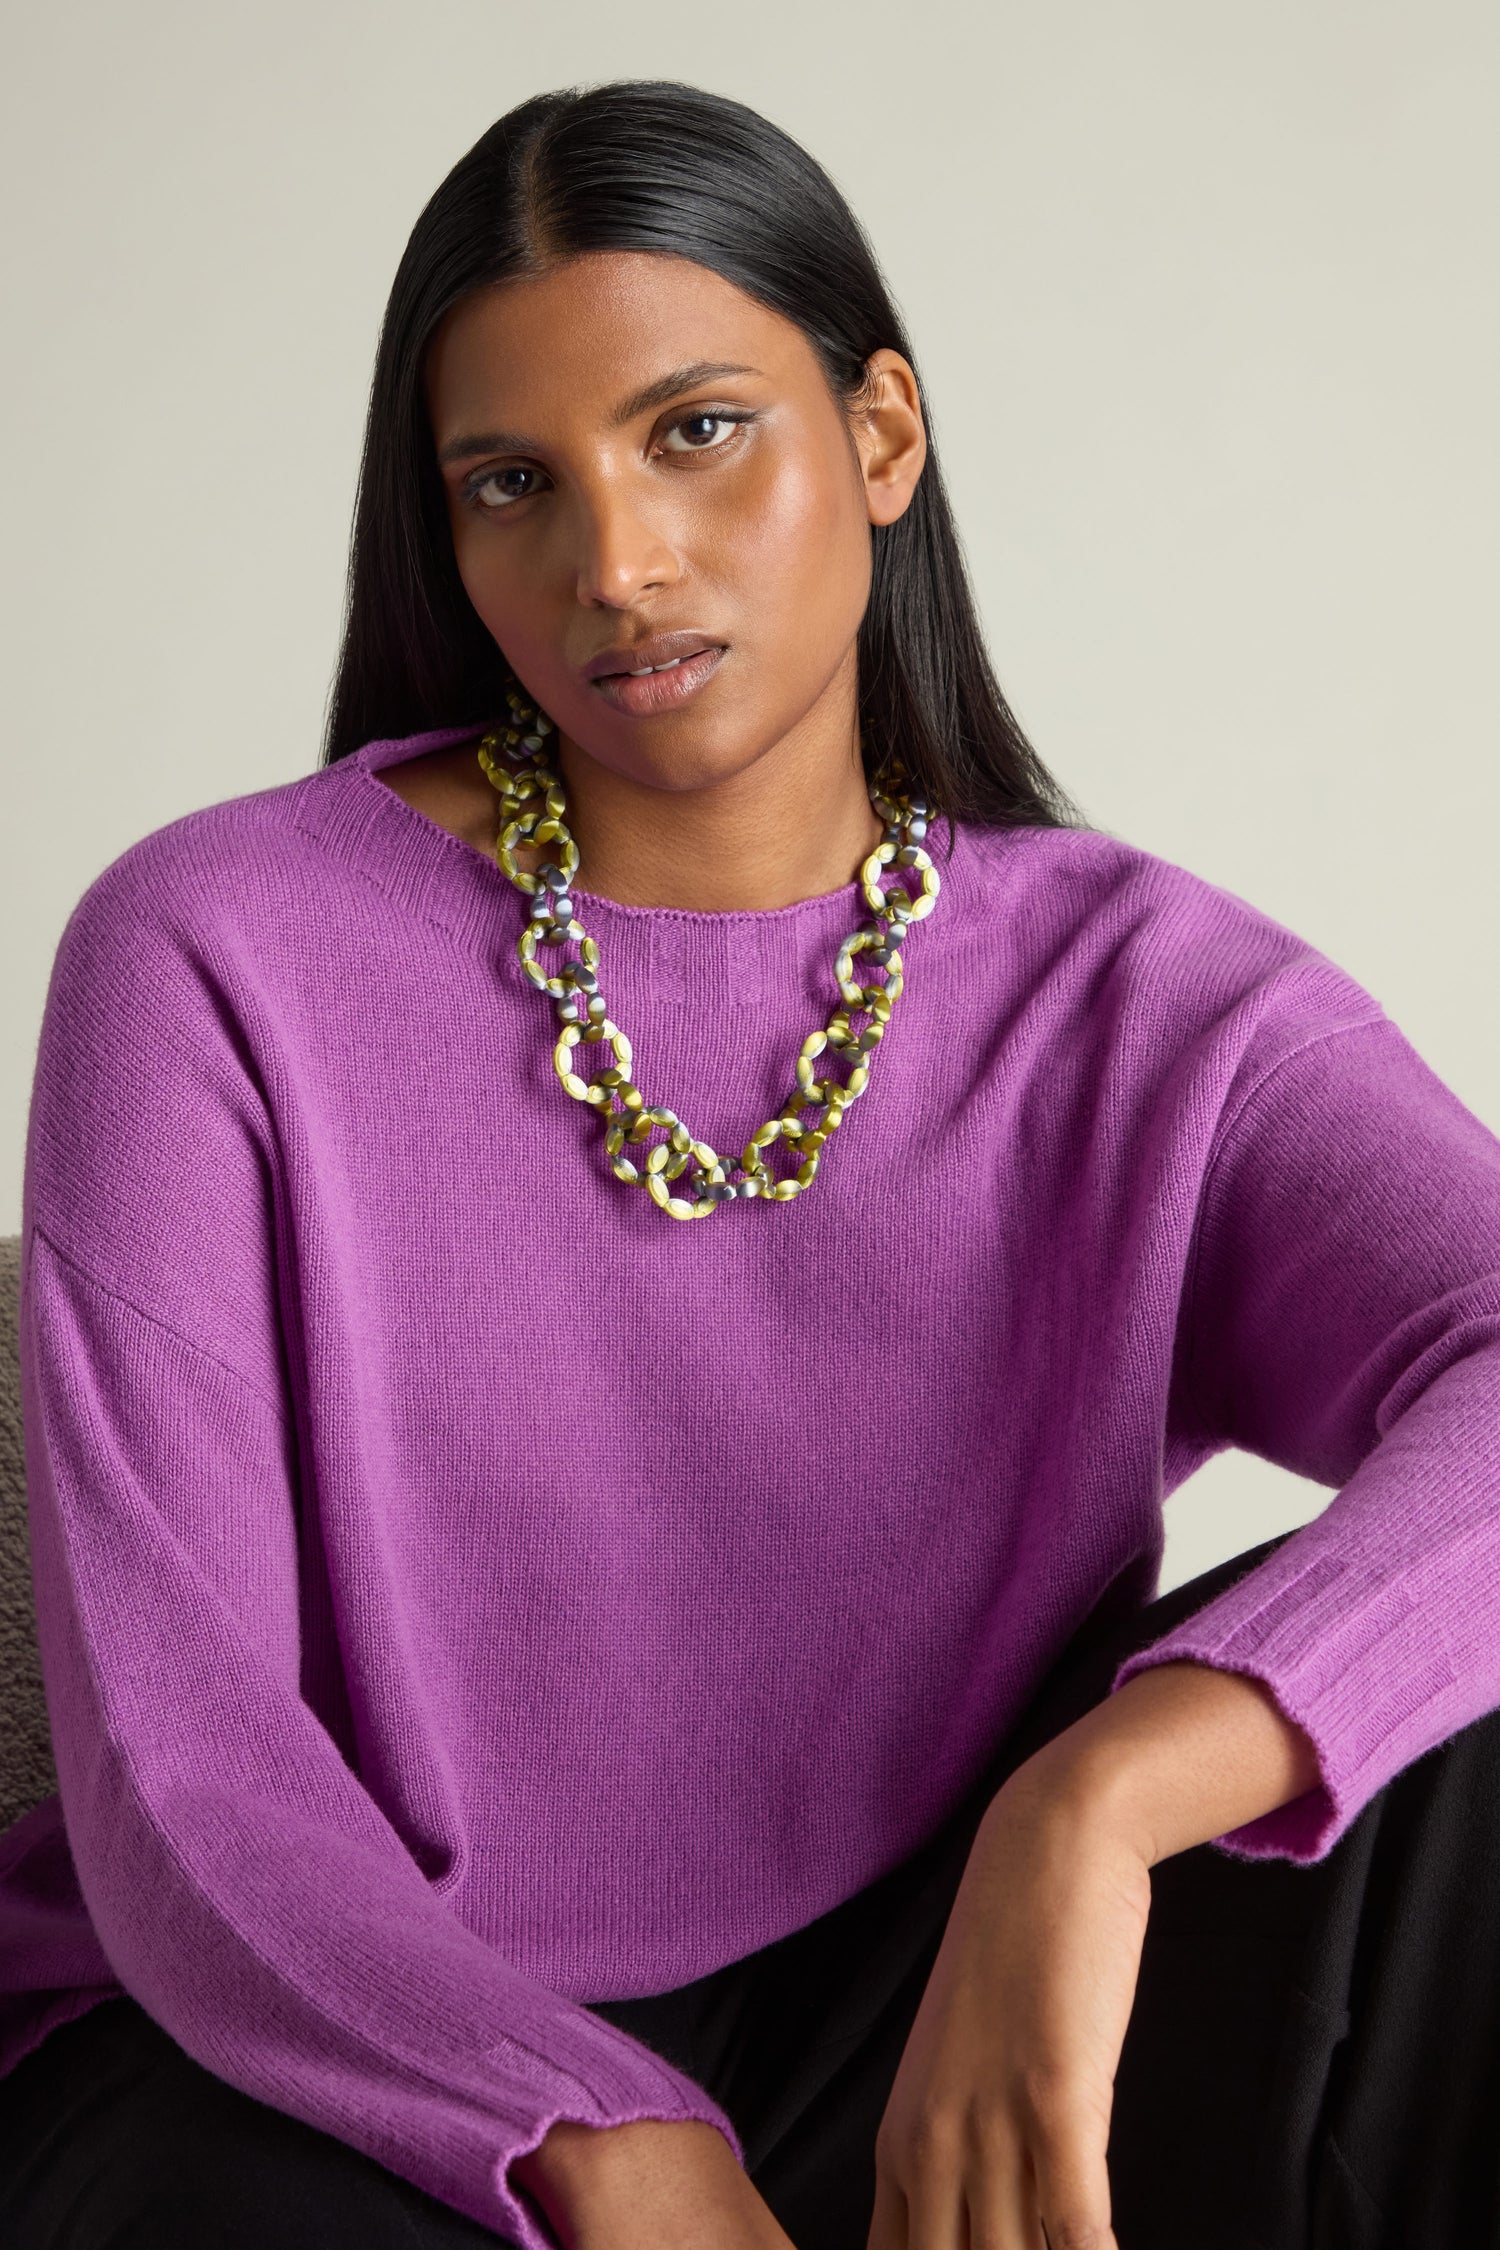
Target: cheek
(795, 544)
(515, 601)
(490, 577)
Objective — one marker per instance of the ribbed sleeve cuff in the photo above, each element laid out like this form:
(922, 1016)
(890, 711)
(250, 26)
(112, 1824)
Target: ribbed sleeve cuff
(1363, 1677)
(624, 2081)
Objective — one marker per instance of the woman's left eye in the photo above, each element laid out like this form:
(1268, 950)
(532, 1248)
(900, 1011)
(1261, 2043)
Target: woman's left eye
(700, 433)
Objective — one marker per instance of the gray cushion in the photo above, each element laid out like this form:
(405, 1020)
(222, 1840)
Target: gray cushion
(27, 1773)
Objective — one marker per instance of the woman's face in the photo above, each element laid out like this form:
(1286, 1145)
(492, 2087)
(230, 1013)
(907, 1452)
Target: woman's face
(646, 468)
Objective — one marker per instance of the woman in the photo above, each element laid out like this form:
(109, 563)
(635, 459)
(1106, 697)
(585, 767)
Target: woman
(578, 1727)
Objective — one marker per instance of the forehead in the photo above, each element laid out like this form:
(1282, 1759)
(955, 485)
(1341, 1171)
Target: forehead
(575, 339)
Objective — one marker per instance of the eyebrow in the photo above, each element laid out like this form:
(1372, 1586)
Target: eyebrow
(660, 393)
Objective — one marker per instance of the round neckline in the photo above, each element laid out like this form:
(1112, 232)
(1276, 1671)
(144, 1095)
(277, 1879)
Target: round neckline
(370, 757)
(717, 916)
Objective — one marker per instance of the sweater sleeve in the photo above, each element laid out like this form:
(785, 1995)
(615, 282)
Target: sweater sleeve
(1342, 1318)
(246, 1888)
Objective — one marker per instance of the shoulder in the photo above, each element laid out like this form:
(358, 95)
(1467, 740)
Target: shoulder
(275, 872)
(161, 970)
(152, 1140)
(1102, 890)
(1136, 938)
(208, 869)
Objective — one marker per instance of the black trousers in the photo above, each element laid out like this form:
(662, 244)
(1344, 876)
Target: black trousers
(1313, 2060)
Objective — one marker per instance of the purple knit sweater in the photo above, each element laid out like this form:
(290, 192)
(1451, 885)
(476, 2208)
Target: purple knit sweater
(465, 1592)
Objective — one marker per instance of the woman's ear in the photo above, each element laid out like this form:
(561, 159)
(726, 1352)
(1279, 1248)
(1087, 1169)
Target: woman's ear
(889, 435)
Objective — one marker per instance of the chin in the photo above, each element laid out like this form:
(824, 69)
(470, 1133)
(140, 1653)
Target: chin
(679, 754)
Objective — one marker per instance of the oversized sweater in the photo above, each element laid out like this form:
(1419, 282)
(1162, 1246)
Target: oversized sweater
(466, 1592)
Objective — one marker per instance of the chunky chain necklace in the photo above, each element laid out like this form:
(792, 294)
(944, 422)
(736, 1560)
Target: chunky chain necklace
(683, 1176)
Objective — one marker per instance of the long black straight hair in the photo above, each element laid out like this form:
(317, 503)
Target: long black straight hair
(651, 165)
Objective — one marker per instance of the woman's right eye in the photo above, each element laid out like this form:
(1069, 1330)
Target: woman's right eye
(500, 487)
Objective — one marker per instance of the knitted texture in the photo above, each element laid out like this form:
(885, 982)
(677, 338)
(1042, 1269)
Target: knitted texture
(465, 1592)
(27, 1774)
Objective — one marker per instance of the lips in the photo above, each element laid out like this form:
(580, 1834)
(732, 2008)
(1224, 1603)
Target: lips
(663, 652)
(656, 674)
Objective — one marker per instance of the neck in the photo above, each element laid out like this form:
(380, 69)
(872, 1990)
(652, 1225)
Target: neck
(794, 825)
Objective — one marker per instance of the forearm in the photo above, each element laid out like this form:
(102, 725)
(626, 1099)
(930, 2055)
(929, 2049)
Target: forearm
(1180, 1754)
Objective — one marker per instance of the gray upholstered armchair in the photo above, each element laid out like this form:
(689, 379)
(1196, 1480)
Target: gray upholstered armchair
(27, 1774)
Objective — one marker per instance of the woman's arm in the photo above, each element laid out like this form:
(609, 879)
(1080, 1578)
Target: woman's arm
(1178, 1756)
(1175, 1757)
(242, 1858)
(999, 2117)
(1342, 1316)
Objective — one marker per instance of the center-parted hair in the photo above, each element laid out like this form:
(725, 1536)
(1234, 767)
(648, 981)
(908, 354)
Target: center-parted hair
(659, 167)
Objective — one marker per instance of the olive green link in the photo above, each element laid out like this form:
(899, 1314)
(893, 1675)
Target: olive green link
(587, 1089)
(516, 760)
(534, 828)
(559, 986)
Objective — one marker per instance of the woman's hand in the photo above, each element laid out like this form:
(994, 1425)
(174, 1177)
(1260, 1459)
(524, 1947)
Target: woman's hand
(995, 2132)
(648, 2185)
(997, 2126)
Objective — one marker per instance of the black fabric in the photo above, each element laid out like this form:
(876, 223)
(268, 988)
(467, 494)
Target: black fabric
(1313, 2058)
(111, 2138)
(1313, 2061)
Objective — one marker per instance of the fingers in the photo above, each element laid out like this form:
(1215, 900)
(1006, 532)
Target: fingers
(1067, 2138)
(1001, 2198)
(888, 2224)
(920, 2178)
(1038, 2183)
(936, 2213)
(1042, 2185)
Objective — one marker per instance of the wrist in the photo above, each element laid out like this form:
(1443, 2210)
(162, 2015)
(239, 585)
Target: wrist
(1181, 1754)
(574, 2162)
(1078, 1789)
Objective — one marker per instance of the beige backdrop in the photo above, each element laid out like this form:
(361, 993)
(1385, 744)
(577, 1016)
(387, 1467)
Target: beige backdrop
(1204, 293)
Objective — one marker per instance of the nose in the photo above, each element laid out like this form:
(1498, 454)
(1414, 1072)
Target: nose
(622, 552)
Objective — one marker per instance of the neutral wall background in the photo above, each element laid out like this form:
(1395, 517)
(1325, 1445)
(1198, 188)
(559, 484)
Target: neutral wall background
(1204, 294)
